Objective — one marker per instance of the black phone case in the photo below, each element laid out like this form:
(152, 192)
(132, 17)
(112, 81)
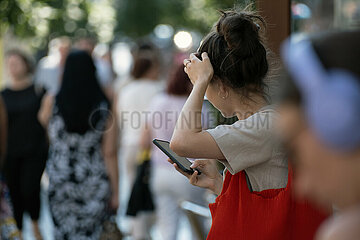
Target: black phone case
(190, 171)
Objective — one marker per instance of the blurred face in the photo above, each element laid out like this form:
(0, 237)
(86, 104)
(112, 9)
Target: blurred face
(321, 174)
(16, 67)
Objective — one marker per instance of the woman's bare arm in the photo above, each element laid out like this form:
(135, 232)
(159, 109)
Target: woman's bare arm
(145, 139)
(188, 138)
(109, 148)
(45, 110)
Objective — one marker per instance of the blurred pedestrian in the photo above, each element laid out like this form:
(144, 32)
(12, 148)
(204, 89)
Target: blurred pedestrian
(169, 188)
(50, 68)
(82, 165)
(104, 72)
(320, 116)
(27, 144)
(132, 107)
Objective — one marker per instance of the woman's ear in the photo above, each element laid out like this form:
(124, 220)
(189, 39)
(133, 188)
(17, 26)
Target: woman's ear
(223, 90)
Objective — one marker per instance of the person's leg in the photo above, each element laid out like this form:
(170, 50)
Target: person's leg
(195, 195)
(142, 224)
(30, 188)
(30, 194)
(167, 208)
(129, 156)
(12, 173)
(139, 224)
(168, 214)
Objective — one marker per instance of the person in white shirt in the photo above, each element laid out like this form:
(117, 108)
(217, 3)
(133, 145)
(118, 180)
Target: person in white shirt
(132, 102)
(50, 68)
(170, 189)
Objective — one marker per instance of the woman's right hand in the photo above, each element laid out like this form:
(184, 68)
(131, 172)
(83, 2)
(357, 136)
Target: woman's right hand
(209, 178)
(199, 71)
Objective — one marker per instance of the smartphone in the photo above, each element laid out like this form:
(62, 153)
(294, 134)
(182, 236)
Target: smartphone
(183, 163)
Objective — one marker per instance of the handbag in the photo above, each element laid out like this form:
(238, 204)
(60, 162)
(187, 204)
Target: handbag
(239, 213)
(141, 196)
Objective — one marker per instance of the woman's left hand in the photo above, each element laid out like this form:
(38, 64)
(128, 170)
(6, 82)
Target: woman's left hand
(199, 71)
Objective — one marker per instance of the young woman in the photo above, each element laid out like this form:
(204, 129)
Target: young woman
(82, 164)
(27, 145)
(234, 82)
(320, 116)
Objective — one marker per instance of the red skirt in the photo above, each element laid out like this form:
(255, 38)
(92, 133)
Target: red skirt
(272, 214)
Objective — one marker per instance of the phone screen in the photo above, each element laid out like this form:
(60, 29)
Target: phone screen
(165, 147)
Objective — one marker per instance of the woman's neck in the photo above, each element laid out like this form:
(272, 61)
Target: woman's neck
(252, 105)
(20, 83)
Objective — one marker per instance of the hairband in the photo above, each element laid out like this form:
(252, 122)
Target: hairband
(331, 98)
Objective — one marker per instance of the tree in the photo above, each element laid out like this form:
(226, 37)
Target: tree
(43, 20)
(13, 15)
(137, 18)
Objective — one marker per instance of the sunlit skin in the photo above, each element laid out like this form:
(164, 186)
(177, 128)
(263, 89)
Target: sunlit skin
(64, 51)
(325, 176)
(188, 131)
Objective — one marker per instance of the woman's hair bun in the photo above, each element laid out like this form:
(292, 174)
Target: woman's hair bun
(239, 29)
(236, 50)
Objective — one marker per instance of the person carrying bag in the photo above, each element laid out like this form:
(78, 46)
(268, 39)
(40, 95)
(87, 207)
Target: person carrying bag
(231, 69)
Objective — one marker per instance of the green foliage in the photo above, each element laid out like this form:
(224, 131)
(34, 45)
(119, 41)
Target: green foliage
(45, 19)
(11, 15)
(65, 23)
(137, 18)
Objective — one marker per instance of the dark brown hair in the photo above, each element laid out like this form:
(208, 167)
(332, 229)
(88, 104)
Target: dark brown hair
(179, 82)
(145, 57)
(236, 51)
(24, 57)
(140, 67)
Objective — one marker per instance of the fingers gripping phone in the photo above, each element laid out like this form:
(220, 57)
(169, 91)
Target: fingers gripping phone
(183, 163)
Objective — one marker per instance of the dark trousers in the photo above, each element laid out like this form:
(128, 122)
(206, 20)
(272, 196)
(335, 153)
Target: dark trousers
(23, 176)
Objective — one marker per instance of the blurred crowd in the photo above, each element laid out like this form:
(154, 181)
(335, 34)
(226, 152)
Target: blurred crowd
(287, 167)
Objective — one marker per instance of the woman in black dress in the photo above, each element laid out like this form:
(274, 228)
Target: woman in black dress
(27, 145)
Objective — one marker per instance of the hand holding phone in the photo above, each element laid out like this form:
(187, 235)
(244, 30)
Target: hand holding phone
(210, 178)
(182, 162)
